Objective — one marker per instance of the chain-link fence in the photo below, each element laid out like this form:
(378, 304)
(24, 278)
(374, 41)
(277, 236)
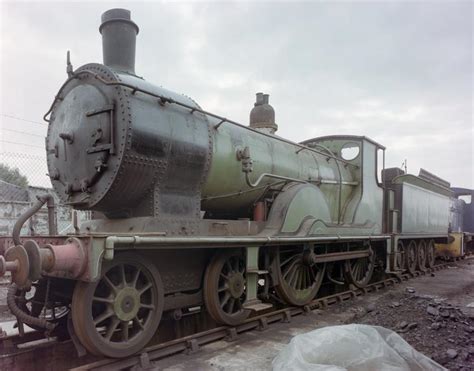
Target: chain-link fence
(22, 178)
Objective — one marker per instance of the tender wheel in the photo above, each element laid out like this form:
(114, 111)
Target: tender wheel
(430, 254)
(119, 314)
(401, 256)
(421, 255)
(225, 288)
(298, 278)
(410, 257)
(359, 271)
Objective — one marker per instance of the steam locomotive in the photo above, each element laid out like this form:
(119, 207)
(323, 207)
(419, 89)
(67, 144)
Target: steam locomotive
(191, 209)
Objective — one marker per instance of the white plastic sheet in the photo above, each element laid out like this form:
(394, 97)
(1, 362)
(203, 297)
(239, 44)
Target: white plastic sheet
(351, 347)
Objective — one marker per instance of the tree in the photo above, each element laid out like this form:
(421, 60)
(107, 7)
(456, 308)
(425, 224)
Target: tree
(13, 176)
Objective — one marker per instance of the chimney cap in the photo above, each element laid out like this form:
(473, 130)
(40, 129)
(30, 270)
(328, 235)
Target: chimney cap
(117, 14)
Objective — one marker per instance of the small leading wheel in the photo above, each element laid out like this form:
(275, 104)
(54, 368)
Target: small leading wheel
(421, 255)
(430, 254)
(118, 315)
(401, 256)
(359, 271)
(298, 277)
(410, 257)
(225, 288)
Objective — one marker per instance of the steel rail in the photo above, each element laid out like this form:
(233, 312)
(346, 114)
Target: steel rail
(192, 342)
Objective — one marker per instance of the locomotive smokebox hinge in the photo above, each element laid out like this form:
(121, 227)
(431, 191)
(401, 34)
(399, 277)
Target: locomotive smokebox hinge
(244, 156)
(97, 136)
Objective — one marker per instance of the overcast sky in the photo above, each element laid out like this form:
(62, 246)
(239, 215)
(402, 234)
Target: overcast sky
(398, 72)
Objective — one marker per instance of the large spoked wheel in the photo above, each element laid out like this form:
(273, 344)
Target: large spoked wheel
(298, 278)
(401, 256)
(225, 288)
(410, 257)
(421, 255)
(359, 271)
(119, 314)
(430, 254)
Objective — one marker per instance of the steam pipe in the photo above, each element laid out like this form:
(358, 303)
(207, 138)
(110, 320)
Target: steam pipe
(46, 198)
(21, 315)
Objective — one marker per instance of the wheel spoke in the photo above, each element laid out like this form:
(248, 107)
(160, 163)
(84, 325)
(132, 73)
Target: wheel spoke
(225, 300)
(355, 270)
(299, 282)
(135, 278)
(231, 306)
(291, 277)
(147, 287)
(236, 264)
(103, 300)
(107, 314)
(289, 268)
(137, 321)
(122, 273)
(294, 282)
(110, 284)
(306, 283)
(223, 288)
(363, 269)
(287, 261)
(111, 329)
(147, 306)
(125, 331)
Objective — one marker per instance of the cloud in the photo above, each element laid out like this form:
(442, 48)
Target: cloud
(400, 73)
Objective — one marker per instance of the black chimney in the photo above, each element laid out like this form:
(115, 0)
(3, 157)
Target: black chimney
(119, 35)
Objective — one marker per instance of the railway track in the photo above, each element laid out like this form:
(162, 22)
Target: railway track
(19, 353)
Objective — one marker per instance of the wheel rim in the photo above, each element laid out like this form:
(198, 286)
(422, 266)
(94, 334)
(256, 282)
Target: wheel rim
(225, 288)
(421, 255)
(430, 254)
(411, 257)
(359, 271)
(298, 279)
(119, 314)
(401, 256)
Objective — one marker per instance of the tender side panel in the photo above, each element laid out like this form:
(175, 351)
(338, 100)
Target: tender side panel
(423, 211)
